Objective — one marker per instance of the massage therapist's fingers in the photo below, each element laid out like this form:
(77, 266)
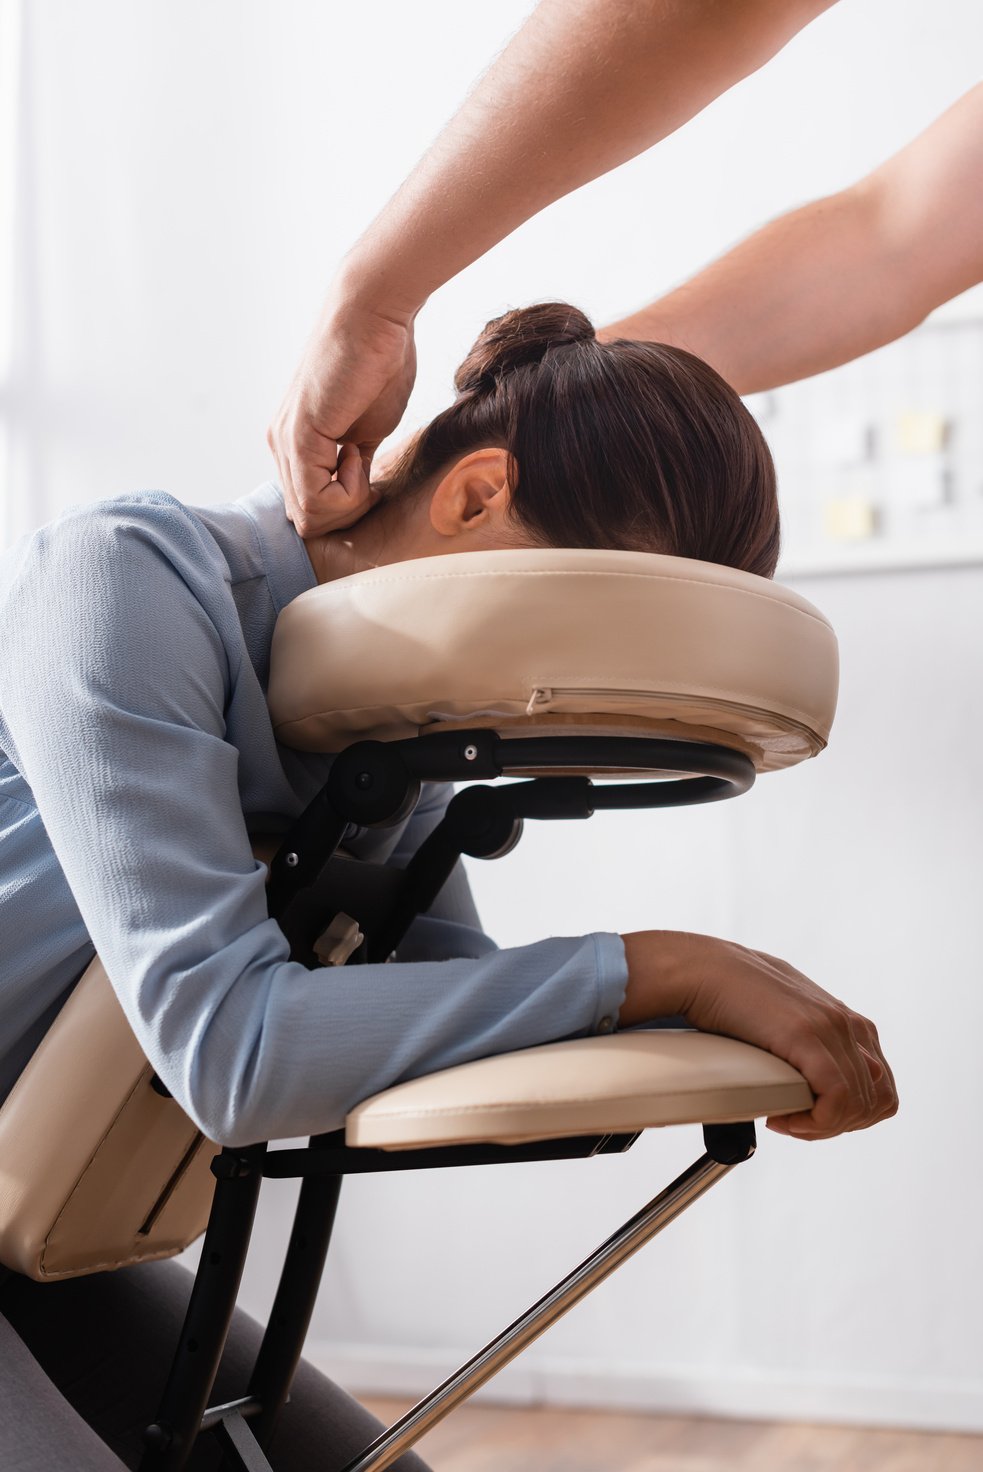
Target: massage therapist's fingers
(352, 386)
(353, 481)
(306, 460)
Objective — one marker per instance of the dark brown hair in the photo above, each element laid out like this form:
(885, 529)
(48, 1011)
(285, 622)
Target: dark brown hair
(630, 445)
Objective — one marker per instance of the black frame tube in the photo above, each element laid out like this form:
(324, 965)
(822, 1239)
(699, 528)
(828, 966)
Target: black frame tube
(290, 1316)
(206, 1325)
(372, 783)
(335, 1157)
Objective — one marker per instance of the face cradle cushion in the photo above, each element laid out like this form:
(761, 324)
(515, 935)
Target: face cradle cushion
(536, 642)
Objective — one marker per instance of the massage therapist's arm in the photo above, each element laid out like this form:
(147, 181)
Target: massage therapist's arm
(582, 87)
(841, 275)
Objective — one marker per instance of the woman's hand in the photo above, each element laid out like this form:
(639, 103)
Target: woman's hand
(725, 988)
(351, 388)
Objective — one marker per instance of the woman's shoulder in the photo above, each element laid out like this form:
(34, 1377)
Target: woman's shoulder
(146, 543)
(101, 597)
(154, 516)
(124, 537)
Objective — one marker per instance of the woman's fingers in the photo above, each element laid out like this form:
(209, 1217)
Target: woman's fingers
(842, 1103)
(725, 988)
(853, 1084)
(870, 1045)
(851, 1042)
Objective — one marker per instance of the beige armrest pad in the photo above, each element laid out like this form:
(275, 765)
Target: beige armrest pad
(625, 1082)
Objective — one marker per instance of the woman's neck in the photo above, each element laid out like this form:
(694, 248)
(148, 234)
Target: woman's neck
(372, 541)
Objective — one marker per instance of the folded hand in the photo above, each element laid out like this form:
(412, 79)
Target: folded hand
(725, 988)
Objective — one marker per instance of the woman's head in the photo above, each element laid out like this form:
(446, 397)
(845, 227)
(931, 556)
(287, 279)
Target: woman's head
(628, 445)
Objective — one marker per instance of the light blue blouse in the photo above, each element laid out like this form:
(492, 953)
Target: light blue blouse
(135, 751)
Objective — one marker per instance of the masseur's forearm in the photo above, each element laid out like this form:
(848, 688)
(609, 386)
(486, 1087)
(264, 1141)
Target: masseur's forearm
(842, 275)
(582, 87)
(809, 291)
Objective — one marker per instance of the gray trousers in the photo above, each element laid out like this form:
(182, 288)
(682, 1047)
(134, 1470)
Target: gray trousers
(83, 1363)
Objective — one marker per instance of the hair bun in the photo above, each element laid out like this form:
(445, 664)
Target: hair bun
(519, 339)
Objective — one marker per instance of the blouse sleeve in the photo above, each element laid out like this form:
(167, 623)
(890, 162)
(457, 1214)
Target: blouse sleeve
(114, 680)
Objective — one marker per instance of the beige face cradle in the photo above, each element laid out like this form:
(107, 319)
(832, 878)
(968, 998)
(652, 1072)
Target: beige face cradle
(530, 642)
(600, 656)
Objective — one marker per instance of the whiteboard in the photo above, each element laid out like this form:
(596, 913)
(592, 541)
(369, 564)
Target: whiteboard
(880, 462)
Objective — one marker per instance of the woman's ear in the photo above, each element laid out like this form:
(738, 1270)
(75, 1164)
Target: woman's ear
(473, 496)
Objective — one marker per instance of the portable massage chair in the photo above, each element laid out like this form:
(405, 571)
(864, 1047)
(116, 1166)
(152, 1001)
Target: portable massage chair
(673, 681)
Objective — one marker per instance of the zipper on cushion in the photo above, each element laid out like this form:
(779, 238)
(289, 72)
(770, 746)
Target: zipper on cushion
(543, 696)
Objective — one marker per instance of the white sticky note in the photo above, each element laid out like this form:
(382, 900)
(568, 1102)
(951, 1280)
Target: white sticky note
(849, 518)
(920, 432)
(846, 440)
(921, 483)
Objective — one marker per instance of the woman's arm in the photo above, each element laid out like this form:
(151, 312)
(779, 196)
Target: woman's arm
(582, 87)
(726, 988)
(717, 985)
(840, 276)
(118, 662)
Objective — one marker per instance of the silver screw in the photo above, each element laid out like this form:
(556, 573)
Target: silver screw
(470, 753)
(292, 860)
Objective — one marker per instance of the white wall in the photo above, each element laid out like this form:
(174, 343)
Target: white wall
(185, 177)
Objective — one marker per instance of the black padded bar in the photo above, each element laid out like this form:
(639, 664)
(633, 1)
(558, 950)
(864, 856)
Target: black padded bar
(598, 754)
(676, 793)
(333, 1156)
(462, 756)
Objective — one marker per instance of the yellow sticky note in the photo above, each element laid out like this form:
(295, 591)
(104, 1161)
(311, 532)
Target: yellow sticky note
(849, 518)
(921, 433)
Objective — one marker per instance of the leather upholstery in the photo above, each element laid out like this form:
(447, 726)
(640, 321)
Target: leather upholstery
(622, 1082)
(97, 1169)
(537, 640)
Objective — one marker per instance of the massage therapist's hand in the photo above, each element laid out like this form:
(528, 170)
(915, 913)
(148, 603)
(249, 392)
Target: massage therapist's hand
(351, 388)
(724, 988)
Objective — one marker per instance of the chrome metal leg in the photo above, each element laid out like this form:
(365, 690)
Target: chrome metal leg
(663, 1209)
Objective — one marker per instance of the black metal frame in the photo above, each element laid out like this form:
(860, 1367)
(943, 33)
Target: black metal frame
(377, 784)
